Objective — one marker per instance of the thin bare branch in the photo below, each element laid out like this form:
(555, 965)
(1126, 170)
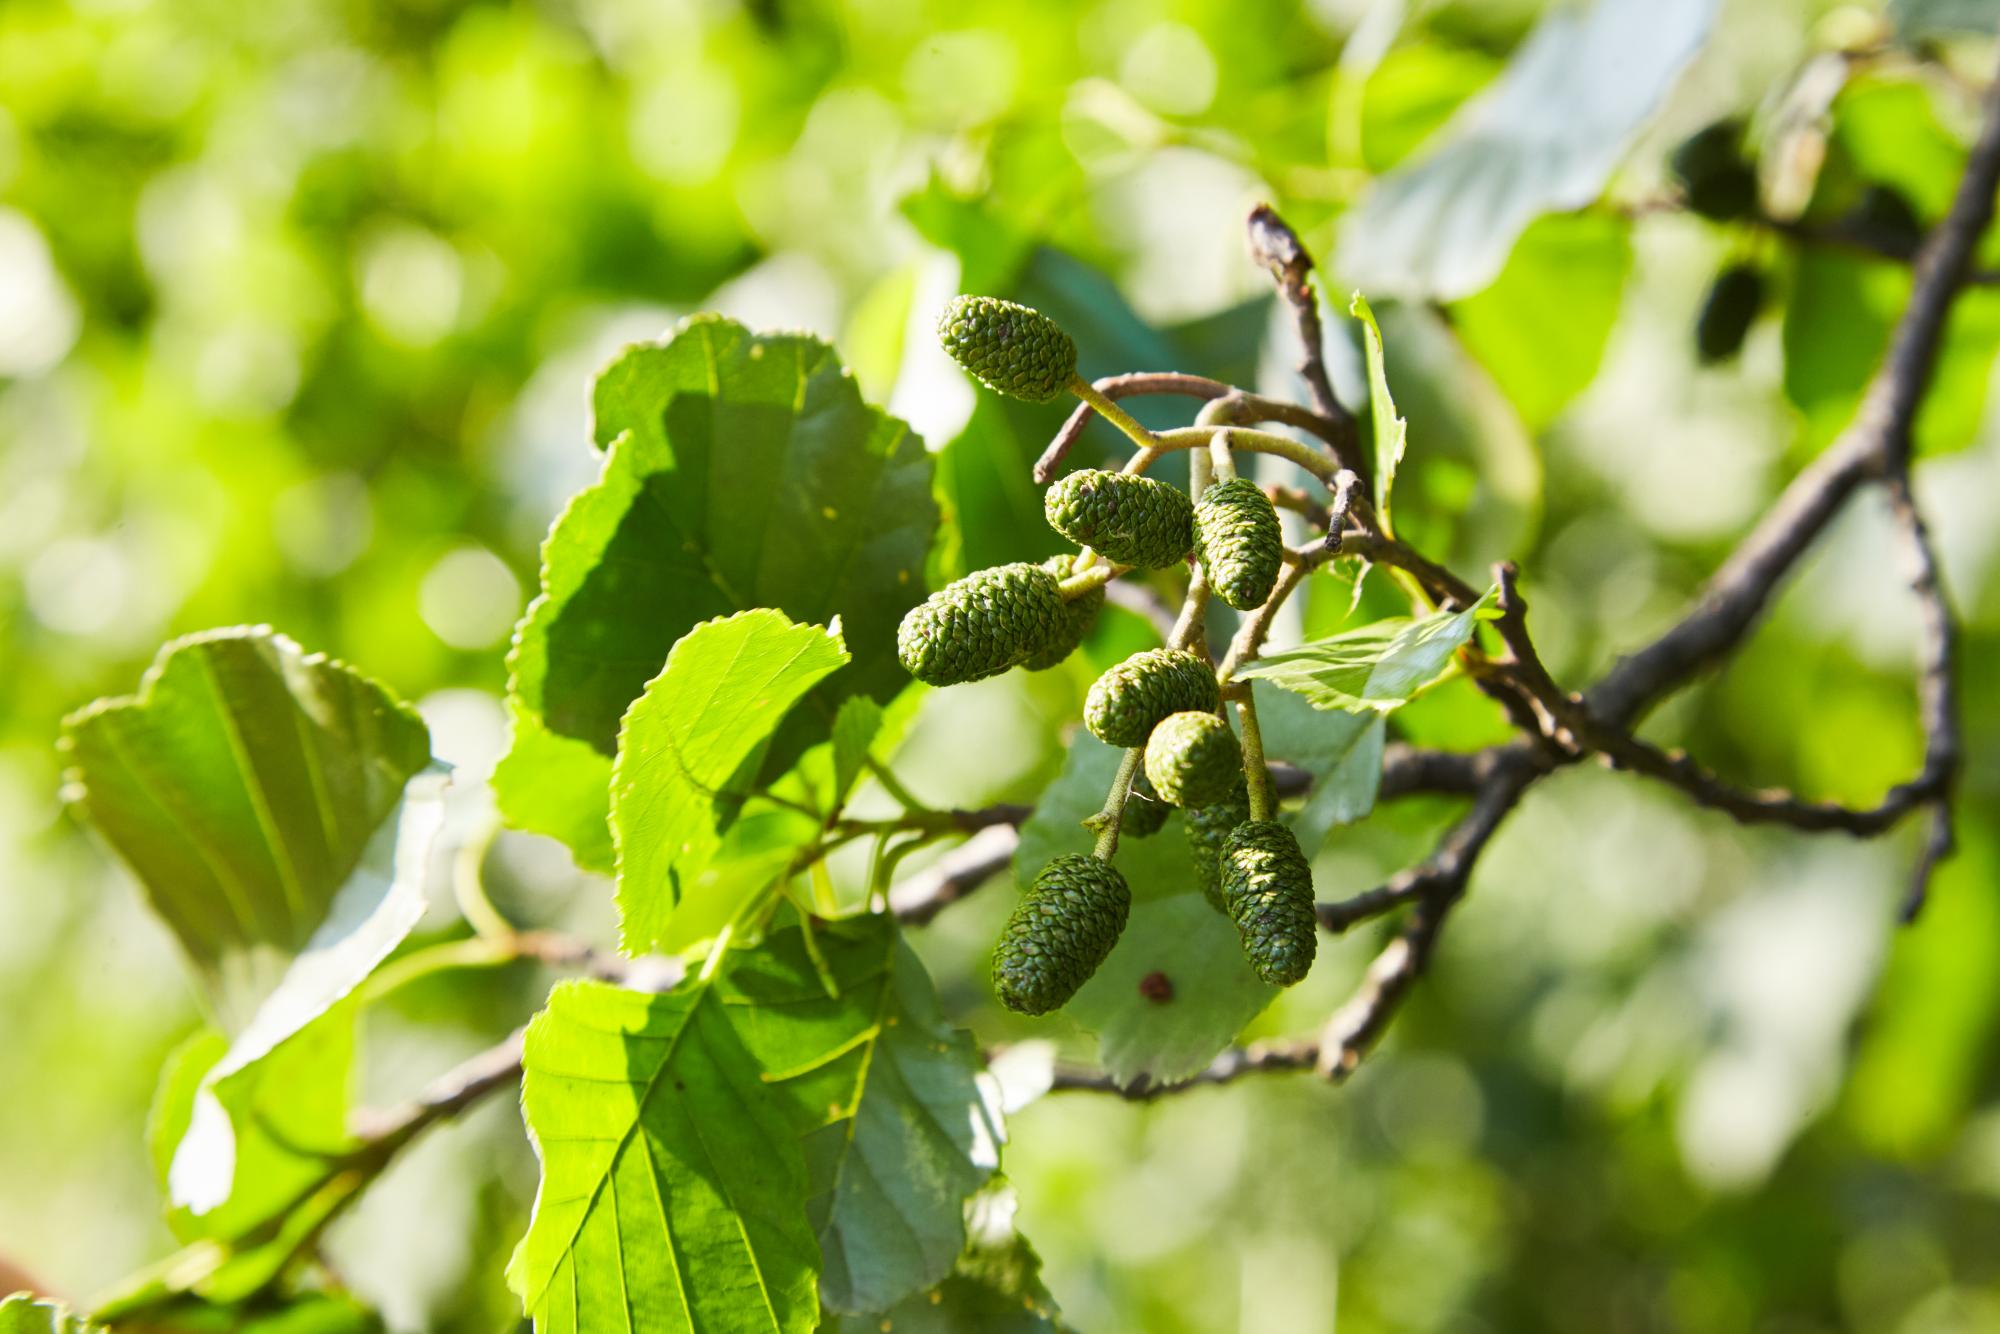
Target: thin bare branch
(1277, 248)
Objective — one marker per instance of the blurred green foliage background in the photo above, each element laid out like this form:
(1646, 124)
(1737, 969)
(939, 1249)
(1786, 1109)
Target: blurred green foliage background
(298, 306)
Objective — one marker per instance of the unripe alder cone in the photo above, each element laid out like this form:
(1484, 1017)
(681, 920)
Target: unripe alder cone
(1267, 891)
(1129, 701)
(1081, 611)
(1011, 348)
(1727, 313)
(1060, 932)
(1192, 759)
(982, 625)
(1237, 541)
(1125, 518)
(1208, 830)
(1145, 813)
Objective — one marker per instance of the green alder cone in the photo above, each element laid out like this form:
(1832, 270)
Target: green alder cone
(1060, 932)
(1208, 829)
(1127, 519)
(982, 625)
(1192, 759)
(1145, 813)
(1727, 313)
(1081, 614)
(1237, 541)
(1267, 891)
(1012, 349)
(1129, 701)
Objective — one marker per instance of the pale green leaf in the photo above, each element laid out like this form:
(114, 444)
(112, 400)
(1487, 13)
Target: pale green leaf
(724, 692)
(243, 784)
(1342, 752)
(854, 731)
(742, 471)
(1377, 668)
(1543, 138)
(26, 1314)
(1172, 931)
(249, 1139)
(1390, 431)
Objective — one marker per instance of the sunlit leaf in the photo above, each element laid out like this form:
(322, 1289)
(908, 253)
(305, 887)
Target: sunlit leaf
(854, 732)
(701, 1149)
(723, 694)
(741, 471)
(243, 784)
(1377, 668)
(1390, 431)
(25, 1314)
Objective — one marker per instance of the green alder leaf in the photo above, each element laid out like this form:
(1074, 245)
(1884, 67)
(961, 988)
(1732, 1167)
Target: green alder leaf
(1377, 668)
(228, 1272)
(854, 730)
(1172, 931)
(1544, 352)
(898, 1124)
(26, 1314)
(1544, 137)
(742, 471)
(1342, 752)
(236, 1145)
(1390, 432)
(673, 1185)
(1842, 306)
(308, 1313)
(995, 1288)
(1917, 20)
(243, 784)
(702, 1149)
(699, 724)
(757, 854)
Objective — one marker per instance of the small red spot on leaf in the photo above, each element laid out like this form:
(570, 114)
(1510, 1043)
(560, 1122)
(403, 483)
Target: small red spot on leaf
(1156, 987)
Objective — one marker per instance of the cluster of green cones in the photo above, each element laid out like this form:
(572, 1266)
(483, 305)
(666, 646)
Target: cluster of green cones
(1166, 700)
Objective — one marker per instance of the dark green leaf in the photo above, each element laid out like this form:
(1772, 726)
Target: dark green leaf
(898, 1126)
(996, 1287)
(743, 471)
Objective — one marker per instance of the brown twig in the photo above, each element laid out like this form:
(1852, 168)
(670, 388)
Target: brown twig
(1245, 409)
(1277, 249)
(1875, 446)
